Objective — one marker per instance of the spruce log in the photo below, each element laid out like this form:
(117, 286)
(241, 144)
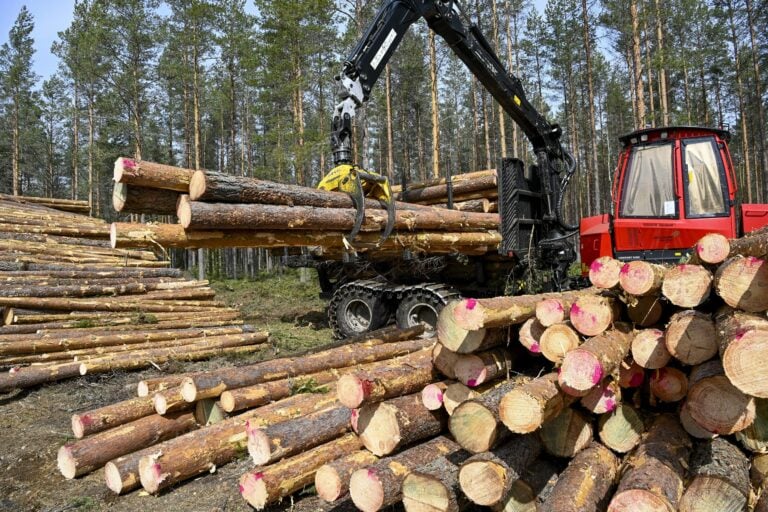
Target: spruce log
(151, 175)
(434, 487)
(379, 485)
(287, 438)
(721, 481)
(755, 437)
(691, 337)
(194, 215)
(716, 404)
(86, 455)
(669, 384)
(604, 272)
(460, 340)
(583, 368)
(622, 429)
(603, 398)
(212, 384)
(267, 485)
(476, 369)
(208, 411)
(525, 408)
(436, 192)
(641, 278)
(557, 340)
(444, 360)
(402, 377)
(567, 433)
(535, 484)
(432, 395)
(442, 181)
(712, 249)
(456, 393)
(743, 344)
(649, 349)
(530, 335)
(474, 314)
(655, 471)
(169, 400)
(754, 244)
(153, 201)
(553, 311)
(66, 304)
(386, 426)
(593, 314)
(110, 416)
(687, 286)
(28, 376)
(332, 479)
(147, 387)
(475, 424)
(586, 483)
(486, 478)
(743, 283)
(645, 311)
(473, 205)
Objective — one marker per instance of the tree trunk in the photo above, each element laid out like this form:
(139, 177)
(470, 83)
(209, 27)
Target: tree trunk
(586, 482)
(584, 367)
(332, 479)
(435, 106)
(721, 481)
(475, 424)
(637, 66)
(110, 416)
(152, 175)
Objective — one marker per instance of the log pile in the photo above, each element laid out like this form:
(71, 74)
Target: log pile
(217, 210)
(471, 192)
(72, 305)
(65, 205)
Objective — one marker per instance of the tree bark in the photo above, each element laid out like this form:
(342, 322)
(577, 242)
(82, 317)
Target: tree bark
(586, 482)
(152, 175)
(332, 479)
(721, 481)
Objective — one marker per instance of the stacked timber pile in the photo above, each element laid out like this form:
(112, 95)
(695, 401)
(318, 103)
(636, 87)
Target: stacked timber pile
(64, 205)
(470, 192)
(217, 210)
(72, 305)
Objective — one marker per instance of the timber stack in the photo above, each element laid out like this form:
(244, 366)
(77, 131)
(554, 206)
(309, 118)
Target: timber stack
(470, 192)
(72, 305)
(217, 210)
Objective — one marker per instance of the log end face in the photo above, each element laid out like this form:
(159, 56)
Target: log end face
(112, 477)
(66, 462)
(366, 490)
(604, 272)
(483, 482)
(719, 407)
(378, 428)
(350, 390)
(227, 401)
(520, 412)
(189, 390)
(259, 447)
(197, 185)
(470, 370)
(581, 371)
(160, 403)
(713, 248)
(550, 312)
(432, 397)
(423, 493)
(669, 384)
(636, 278)
(328, 484)
(151, 473)
(743, 362)
(78, 425)
(711, 494)
(631, 375)
(254, 490)
(638, 500)
(119, 194)
(473, 427)
(184, 211)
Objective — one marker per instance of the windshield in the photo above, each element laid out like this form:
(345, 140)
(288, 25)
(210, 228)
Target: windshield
(703, 180)
(649, 189)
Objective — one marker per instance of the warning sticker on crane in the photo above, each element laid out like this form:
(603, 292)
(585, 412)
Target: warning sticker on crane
(383, 50)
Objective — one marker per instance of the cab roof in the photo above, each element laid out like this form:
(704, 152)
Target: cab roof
(674, 132)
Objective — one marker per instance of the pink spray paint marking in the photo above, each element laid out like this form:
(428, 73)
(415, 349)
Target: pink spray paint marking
(86, 420)
(699, 249)
(471, 383)
(471, 303)
(371, 473)
(625, 269)
(575, 310)
(535, 348)
(610, 405)
(130, 164)
(241, 488)
(258, 476)
(596, 266)
(636, 379)
(597, 374)
(683, 267)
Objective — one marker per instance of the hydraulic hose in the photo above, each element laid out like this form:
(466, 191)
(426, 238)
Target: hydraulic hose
(571, 162)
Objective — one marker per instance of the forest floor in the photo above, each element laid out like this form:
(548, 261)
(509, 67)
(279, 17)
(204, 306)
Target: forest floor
(35, 423)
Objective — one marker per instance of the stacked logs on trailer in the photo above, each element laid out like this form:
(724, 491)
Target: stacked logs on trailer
(469, 192)
(217, 210)
(71, 305)
(65, 205)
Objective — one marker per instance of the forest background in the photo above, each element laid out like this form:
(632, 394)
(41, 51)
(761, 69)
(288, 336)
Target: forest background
(249, 90)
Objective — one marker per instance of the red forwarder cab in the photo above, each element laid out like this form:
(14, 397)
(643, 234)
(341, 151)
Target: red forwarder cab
(672, 186)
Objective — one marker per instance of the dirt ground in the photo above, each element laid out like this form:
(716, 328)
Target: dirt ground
(35, 423)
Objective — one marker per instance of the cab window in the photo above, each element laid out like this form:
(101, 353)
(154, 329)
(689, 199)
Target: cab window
(649, 189)
(705, 189)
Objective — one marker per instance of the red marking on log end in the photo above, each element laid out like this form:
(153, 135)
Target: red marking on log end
(535, 348)
(625, 269)
(596, 266)
(559, 307)
(754, 262)
(637, 379)
(740, 334)
(130, 164)
(699, 249)
(610, 405)
(241, 488)
(367, 387)
(683, 267)
(597, 374)
(471, 303)
(353, 417)
(439, 396)
(86, 420)
(258, 476)
(14, 370)
(371, 473)
(471, 383)
(575, 309)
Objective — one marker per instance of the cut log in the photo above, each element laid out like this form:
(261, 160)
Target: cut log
(690, 337)
(535, 484)
(476, 369)
(645, 311)
(486, 478)
(169, 400)
(583, 368)
(669, 384)
(712, 249)
(743, 283)
(110, 416)
(566, 434)
(332, 479)
(267, 485)
(593, 314)
(641, 278)
(530, 335)
(655, 471)
(604, 272)
(692, 427)
(25, 377)
(152, 175)
(444, 360)
(379, 485)
(456, 393)
(687, 286)
(527, 407)
(460, 340)
(743, 344)
(432, 395)
(553, 311)
(86, 455)
(631, 374)
(442, 181)
(387, 426)
(402, 377)
(721, 481)
(649, 349)
(755, 437)
(475, 424)
(475, 314)
(716, 404)
(154, 201)
(473, 205)
(557, 340)
(622, 429)
(586, 483)
(436, 192)
(603, 398)
(148, 387)
(212, 384)
(290, 437)
(434, 487)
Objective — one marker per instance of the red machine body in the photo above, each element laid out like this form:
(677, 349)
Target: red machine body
(672, 186)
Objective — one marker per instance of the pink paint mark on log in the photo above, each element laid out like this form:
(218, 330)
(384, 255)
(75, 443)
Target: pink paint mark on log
(596, 266)
(625, 269)
(558, 307)
(575, 310)
(471, 303)
(130, 164)
(610, 405)
(472, 383)
(371, 473)
(241, 488)
(754, 262)
(637, 379)
(439, 396)
(353, 417)
(86, 420)
(699, 249)
(683, 267)
(535, 348)
(258, 476)
(367, 387)
(597, 374)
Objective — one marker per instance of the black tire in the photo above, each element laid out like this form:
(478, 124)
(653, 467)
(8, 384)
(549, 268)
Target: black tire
(419, 307)
(358, 311)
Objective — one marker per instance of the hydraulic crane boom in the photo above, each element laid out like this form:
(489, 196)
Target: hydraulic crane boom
(445, 17)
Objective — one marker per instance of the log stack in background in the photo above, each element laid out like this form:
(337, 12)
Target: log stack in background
(217, 210)
(72, 305)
